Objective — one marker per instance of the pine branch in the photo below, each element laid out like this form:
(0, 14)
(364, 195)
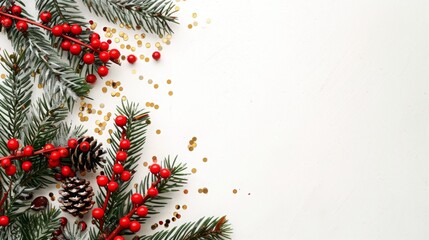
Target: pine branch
(74, 232)
(206, 228)
(154, 16)
(39, 225)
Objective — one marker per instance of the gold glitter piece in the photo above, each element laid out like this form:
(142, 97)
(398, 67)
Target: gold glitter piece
(147, 104)
(194, 170)
(136, 36)
(114, 30)
(134, 71)
(117, 40)
(177, 8)
(191, 149)
(156, 86)
(40, 85)
(145, 164)
(104, 89)
(177, 208)
(205, 190)
(156, 106)
(146, 59)
(194, 15)
(190, 26)
(200, 190)
(99, 112)
(194, 139)
(106, 118)
(122, 46)
(133, 49)
(141, 56)
(128, 46)
(170, 93)
(234, 191)
(208, 21)
(147, 45)
(205, 159)
(141, 77)
(184, 207)
(157, 44)
(101, 105)
(168, 81)
(150, 81)
(117, 94)
(3, 76)
(124, 98)
(109, 140)
(121, 88)
(58, 186)
(123, 57)
(185, 191)
(195, 23)
(158, 131)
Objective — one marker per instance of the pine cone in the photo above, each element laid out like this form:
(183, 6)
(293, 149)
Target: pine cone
(76, 196)
(89, 160)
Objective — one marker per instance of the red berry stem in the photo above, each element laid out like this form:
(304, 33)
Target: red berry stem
(5, 196)
(20, 155)
(119, 228)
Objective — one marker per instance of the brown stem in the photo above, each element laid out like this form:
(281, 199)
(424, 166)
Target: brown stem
(20, 155)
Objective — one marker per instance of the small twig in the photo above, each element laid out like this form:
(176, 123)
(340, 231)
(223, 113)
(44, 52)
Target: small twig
(3, 200)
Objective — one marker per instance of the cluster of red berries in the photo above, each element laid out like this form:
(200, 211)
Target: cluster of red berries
(7, 22)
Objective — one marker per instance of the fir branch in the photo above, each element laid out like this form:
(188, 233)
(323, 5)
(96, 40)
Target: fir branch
(154, 16)
(39, 225)
(206, 228)
(74, 232)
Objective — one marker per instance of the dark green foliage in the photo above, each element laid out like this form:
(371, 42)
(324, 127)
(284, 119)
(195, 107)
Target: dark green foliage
(38, 225)
(154, 16)
(206, 228)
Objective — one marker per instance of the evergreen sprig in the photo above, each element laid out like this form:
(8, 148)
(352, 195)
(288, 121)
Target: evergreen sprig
(39, 225)
(206, 228)
(154, 16)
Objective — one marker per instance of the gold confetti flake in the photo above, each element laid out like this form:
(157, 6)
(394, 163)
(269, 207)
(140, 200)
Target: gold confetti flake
(184, 207)
(158, 131)
(150, 81)
(156, 86)
(205, 159)
(146, 59)
(208, 21)
(194, 170)
(156, 106)
(141, 77)
(104, 89)
(186, 191)
(234, 191)
(147, 45)
(195, 23)
(168, 81)
(190, 26)
(170, 93)
(194, 15)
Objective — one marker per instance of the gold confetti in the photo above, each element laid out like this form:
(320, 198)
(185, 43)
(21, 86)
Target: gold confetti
(194, 15)
(158, 131)
(168, 81)
(190, 26)
(234, 191)
(170, 93)
(205, 159)
(194, 170)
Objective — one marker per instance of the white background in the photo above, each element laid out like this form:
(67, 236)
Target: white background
(318, 109)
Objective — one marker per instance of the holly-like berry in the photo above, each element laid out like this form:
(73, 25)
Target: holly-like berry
(76, 29)
(137, 198)
(142, 211)
(125, 176)
(125, 144)
(124, 222)
(57, 30)
(131, 58)
(102, 180)
(57, 232)
(53, 163)
(45, 16)
(83, 225)
(63, 221)
(66, 171)
(16, 10)
(104, 46)
(104, 56)
(26, 166)
(12, 144)
(155, 168)
(7, 22)
(114, 54)
(112, 186)
(95, 43)
(91, 78)
(94, 35)
(88, 58)
(156, 55)
(75, 49)
(118, 168)
(134, 226)
(121, 156)
(103, 71)
(121, 120)
(63, 152)
(152, 192)
(22, 26)
(66, 28)
(98, 213)
(72, 143)
(165, 173)
(119, 238)
(11, 170)
(48, 146)
(65, 45)
(84, 146)
(4, 221)
(55, 155)
(5, 163)
(28, 151)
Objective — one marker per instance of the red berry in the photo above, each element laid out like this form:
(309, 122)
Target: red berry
(124, 222)
(66, 171)
(156, 55)
(121, 156)
(22, 26)
(134, 226)
(72, 143)
(94, 35)
(102, 180)
(137, 198)
(12, 144)
(155, 168)
(112, 186)
(131, 58)
(114, 54)
(11, 170)
(103, 71)
(45, 16)
(63, 221)
(55, 155)
(7, 22)
(65, 45)
(53, 163)
(91, 78)
(142, 211)
(165, 173)
(28, 151)
(119, 238)
(95, 43)
(118, 168)
(57, 30)
(125, 144)
(88, 58)
(98, 213)
(152, 192)
(104, 56)
(63, 152)
(125, 176)
(4, 221)
(104, 46)
(121, 120)
(76, 29)
(84, 146)
(75, 49)
(66, 28)
(16, 10)
(48, 146)
(5, 163)
(83, 225)
(26, 166)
